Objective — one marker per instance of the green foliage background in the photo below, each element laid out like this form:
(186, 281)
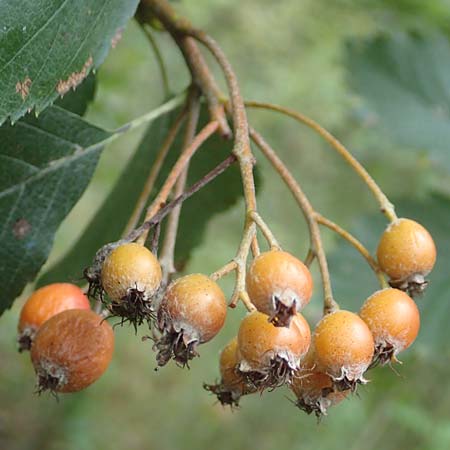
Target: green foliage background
(291, 52)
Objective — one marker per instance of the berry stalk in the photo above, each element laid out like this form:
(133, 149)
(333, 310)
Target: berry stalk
(154, 172)
(166, 258)
(330, 304)
(172, 178)
(356, 244)
(386, 207)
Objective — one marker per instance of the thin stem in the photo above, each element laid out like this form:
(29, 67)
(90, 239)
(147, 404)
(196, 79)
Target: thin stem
(309, 258)
(387, 208)
(171, 179)
(240, 291)
(225, 270)
(241, 148)
(154, 172)
(270, 238)
(201, 75)
(167, 256)
(316, 240)
(159, 59)
(356, 244)
(164, 211)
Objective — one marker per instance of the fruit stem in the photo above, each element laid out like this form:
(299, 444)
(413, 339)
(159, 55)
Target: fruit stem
(167, 256)
(225, 270)
(154, 172)
(159, 59)
(356, 244)
(240, 292)
(165, 210)
(386, 207)
(171, 179)
(270, 238)
(330, 304)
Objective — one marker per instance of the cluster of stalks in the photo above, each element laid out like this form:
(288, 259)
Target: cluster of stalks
(228, 118)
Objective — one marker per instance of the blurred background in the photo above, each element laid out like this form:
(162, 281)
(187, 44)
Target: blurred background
(376, 74)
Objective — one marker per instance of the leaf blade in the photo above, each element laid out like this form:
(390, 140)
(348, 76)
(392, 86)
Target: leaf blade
(404, 78)
(34, 202)
(49, 47)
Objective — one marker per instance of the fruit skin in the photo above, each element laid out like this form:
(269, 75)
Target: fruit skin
(130, 267)
(315, 391)
(406, 252)
(192, 312)
(43, 304)
(277, 279)
(232, 385)
(344, 347)
(394, 320)
(196, 303)
(72, 350)
(270, 354)
(228, 363)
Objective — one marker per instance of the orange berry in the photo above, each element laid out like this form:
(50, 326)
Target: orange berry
(43, 304)
(344, 347)
(394, 320)
(406, 253)
(192, 312)
(130, 266)
(232, 385)
(131, 276)
(72, 350)
(269, 355)
(279, 285)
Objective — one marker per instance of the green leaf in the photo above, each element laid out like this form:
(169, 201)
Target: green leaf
(77, 101)
(113, 215)
(353, 281)
(47, 47)
(45, 165)
(405, 79)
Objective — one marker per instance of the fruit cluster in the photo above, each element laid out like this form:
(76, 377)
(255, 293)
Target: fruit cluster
(71, 346)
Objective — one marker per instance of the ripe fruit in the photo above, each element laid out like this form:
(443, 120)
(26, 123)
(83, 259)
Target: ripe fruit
(131, 275)
(393, 319)
(192, 312)
(343, 346)
(406, 253)
(45, 303)
(279, 285)
(269, 355)
(232, 385)
(71, 351)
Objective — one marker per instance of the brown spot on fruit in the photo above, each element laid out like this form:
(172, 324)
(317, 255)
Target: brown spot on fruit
(75, 78)
(21, 228)
(23, 87)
